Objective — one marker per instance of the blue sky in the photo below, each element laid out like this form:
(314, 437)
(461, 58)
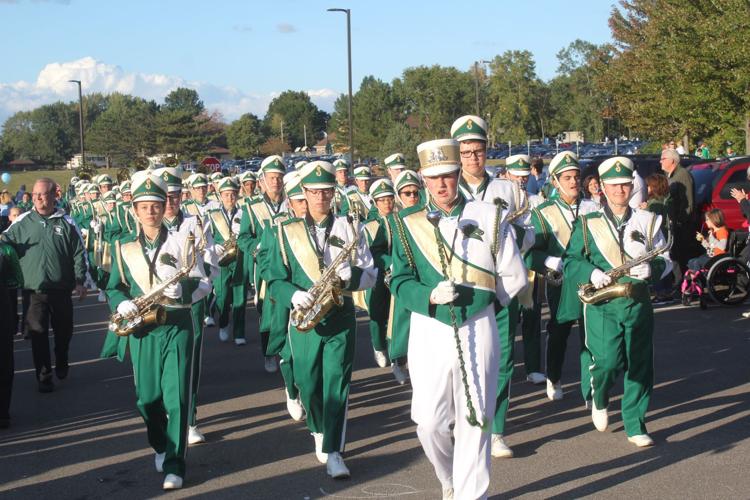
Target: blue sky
(239, 54)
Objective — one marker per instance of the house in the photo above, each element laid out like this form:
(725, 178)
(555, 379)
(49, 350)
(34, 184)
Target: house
(220, 153)
(325, 145)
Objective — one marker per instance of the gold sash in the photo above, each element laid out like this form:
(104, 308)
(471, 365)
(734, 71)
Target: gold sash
(605, 240)
(561, 228)
(299, 240)
(462, 272)
(261, 211)
(220, 222)
(136, 263)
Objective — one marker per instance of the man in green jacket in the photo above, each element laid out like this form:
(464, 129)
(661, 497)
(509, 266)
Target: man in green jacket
(53, 261)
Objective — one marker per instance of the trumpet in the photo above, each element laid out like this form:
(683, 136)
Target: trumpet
(150, 308)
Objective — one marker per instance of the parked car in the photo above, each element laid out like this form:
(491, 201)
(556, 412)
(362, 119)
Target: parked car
(713, 183)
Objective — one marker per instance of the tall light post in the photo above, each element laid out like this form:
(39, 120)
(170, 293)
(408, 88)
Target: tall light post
(476, 82)
(349, 51)
(80, 119)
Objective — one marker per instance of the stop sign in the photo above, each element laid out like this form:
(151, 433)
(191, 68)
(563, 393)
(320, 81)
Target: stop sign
(210, 161)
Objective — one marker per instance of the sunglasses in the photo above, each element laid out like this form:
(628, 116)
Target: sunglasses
(410, 194)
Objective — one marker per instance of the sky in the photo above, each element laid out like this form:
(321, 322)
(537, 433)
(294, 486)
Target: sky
(239, 55)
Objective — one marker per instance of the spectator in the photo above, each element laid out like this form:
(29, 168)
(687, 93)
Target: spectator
(53, 262)
(536, 179)
(682, 196)
(680, 149)
(718, 238)
(592, 189)
(6, 203)
(741, 196)
(20, 193)
(702, 151)
(658, 202)
(639, 194)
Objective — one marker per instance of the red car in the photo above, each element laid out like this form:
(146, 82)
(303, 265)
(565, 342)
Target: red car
(714, 181)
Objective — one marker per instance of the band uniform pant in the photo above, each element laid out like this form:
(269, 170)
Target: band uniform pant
(7, 365)
(439, 401)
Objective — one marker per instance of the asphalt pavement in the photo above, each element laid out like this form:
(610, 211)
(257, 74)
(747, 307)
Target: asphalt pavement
(86, 440)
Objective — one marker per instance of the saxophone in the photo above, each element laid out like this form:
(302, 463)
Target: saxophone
(326, 291)
(588, 294)
(230, 251)
(150, 308)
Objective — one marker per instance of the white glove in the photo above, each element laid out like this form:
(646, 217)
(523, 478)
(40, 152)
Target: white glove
(443, 293)
(344, 272)
(96, 225)
(600, 279)
(302, 300)
(553, 263)
(173, 291)
(127, 308)
(219, 250)
(641, 271)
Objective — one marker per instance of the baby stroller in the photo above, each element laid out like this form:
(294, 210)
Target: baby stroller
(694, 287)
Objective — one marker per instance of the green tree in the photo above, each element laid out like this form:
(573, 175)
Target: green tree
(295, 112)
(183, 99)
(125, 129)
(514, 97)
(432, 98)
(401, 138)
(245, 136)
(182, 126)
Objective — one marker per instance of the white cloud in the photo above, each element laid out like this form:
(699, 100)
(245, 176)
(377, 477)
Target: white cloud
(52, 85)
(286, 28)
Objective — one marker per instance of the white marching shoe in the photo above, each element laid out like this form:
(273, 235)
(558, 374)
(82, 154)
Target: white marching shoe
(101, 297)
(159, 461)
(600, 418)
(295, 409)
(224, 334)
(447, 493)
(554, 391)
(336, 467)
(269, 363)
(398, 373)
(209, 321)
(381, 359)
(499, 448)
(240, 341)
(536, 378)
(172, 482)
(195, 436)
(641, 440)
(322, 457)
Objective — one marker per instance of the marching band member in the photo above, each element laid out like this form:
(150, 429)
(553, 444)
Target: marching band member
(322, 356)
(176, 221)
(395, 164)
(358, 200)
(379, 236)
(340, 200)
(279, 312)
(161, 354)
(257, 217)
(248, 182)
(409, 188)
(554, 221)
(231, 286)
(199, 204)
(213, 187)
(619, 331)
(449, 272)
(476, 184)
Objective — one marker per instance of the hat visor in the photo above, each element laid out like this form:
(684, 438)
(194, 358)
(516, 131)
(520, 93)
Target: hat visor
(397, 167)
(519, 173)
(269, 170)
(439, 170)
(174, 189)
(618, 180)
(381, 195)
(471, 137)
(566, 168)
(199, 184)
(149, 197)
(298, 196)
(362, 177)
(319, 185)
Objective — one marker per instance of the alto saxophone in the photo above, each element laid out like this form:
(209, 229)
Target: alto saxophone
(326, 291)
(230, 251)
(589, 294)
(150, 308)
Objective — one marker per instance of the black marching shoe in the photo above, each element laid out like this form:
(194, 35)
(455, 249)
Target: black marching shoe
(4, 422)
(45, 380)
(61, 370)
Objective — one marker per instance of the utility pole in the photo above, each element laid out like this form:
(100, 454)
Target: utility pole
(348, 13)
(80, 119)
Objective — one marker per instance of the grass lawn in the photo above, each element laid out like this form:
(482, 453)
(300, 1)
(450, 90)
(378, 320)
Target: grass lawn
(62, 177)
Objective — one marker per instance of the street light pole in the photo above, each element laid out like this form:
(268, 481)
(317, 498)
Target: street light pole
(349, 51)
(476, 83)
(80, 118)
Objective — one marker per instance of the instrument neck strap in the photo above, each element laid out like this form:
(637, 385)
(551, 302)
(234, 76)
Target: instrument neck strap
(156, 245)
(620, 223)
(312, 227)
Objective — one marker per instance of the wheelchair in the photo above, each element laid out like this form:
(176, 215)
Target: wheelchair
(725, 278)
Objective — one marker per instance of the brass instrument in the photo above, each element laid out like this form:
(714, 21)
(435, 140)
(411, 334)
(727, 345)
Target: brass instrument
(553, 277)
(150, 308)
(588, 294)
(326, 291)
(230, 251)
(520, 211)
(171, 161)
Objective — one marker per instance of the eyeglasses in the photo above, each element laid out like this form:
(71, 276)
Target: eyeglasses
(325, 193)
(472, 152)
(410, 194)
